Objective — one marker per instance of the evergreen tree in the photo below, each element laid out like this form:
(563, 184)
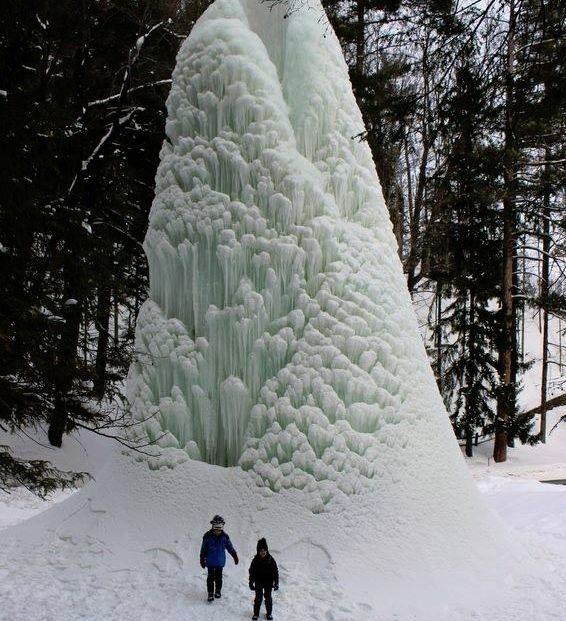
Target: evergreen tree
(82, 101)
(532, 85)
(464, 242)
(541, 101)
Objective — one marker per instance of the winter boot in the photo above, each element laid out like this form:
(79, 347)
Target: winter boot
(210, 597)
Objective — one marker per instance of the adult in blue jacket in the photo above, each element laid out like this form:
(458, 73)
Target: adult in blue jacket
(215, 542)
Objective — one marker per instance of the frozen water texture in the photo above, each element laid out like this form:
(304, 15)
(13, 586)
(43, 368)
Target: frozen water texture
(279, 334)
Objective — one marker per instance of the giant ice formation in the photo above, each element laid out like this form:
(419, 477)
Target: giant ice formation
(279, 334)
(278, 338)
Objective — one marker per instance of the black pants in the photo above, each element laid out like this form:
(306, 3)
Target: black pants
(214, 580)
(261, 591)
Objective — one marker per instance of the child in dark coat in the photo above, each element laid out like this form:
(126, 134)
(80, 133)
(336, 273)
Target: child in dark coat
(213, 555)
(264, 576)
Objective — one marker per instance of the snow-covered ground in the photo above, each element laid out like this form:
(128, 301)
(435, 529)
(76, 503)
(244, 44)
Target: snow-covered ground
(514, 489)
(101, 556)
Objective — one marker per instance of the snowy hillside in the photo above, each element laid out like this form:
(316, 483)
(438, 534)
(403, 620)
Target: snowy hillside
(126, 548)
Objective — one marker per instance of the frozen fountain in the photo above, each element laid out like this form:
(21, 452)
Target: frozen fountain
(279, 334)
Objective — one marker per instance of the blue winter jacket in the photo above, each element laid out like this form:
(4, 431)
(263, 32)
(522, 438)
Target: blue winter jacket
(213, 549)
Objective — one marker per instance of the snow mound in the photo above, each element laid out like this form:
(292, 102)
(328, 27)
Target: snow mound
(126, 548)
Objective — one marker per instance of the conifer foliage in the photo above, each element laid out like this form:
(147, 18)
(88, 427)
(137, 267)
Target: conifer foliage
(466, 235)
(83, 86)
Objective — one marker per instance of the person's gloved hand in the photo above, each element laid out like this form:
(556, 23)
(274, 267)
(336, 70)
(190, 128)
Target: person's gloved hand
(252, 587)
(236, 559)
(202, 562)
(276, 587)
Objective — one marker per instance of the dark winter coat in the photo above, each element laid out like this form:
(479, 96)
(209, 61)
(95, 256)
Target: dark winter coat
(264, 571)
(213, 547)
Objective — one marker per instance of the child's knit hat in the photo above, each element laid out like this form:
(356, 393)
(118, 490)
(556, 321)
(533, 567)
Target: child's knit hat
(217, 521)
(262, 545)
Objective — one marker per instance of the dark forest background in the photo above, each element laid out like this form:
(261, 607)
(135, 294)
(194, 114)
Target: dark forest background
(465, 110)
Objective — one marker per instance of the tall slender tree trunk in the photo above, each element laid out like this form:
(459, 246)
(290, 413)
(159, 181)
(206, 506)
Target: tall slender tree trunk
(102, 326)
(470, 379)
(66, 364)
(360, 37)
(415, 216)
(116, 319)
(438, 335)
(410, 197)
(518, 326)
(85, 335)
(506, 397)
(65, 370)
(544, 290)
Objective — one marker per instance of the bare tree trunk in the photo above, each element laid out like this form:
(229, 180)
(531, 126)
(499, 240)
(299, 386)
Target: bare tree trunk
(65, 370)
(102, 325)
(470, 377)
(506, 397)
(415, 224)
(116, 320)
(505, 401)
(85, 335)
(469, 443)
(544, 287)
(438, 331)
(360, 37)
(410, 196)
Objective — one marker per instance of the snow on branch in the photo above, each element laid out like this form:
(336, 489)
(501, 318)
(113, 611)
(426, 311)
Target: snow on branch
(133, 56)
(122, 121)
(100, 102)
(141, 41)
(545, 162)
(118, 121)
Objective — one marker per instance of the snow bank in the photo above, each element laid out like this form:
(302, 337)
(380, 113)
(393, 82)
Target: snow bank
(126, 548)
